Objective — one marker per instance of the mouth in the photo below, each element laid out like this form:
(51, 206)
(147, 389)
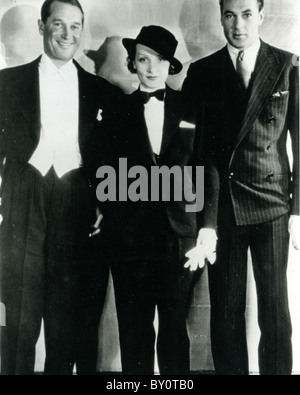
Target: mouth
(238, 36)
(65, 44)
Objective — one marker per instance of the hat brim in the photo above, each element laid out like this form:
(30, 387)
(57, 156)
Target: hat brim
(130, 45)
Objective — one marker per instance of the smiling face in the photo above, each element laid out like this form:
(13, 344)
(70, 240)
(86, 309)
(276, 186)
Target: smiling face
(62, 32)
(152, 68)
(241, 20)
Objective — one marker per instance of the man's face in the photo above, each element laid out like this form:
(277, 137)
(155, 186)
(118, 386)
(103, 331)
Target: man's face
(62, 32)
(152, 68)
(241, 20)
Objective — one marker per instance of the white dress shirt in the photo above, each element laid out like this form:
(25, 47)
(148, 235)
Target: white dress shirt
(59, 103)
(250, 57)
(154, 117)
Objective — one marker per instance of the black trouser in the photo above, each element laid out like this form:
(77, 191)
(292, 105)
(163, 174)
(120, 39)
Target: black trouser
(141, 286)
(268, 243)
(50, 271)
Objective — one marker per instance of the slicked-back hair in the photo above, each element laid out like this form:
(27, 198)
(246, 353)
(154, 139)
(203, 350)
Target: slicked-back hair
(46, 8)
(259, 2)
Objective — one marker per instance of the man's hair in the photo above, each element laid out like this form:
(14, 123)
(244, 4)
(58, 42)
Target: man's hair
(260, 4)
(46, 8)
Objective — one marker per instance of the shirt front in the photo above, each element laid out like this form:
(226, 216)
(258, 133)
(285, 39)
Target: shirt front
(250, 56)
(59, 104)
(154, 117)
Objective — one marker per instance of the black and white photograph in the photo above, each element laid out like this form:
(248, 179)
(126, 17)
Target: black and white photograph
(149, 190)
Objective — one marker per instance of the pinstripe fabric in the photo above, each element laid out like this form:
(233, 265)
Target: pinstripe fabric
(252, 191)
(246, 146)
(228, 277)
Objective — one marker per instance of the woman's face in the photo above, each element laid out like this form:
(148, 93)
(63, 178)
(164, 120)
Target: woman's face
(152, 68)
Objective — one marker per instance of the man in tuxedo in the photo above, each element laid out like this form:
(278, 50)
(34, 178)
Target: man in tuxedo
(50, 264)
(246, 97)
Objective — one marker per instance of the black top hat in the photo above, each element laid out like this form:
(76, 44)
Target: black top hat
(158, 39)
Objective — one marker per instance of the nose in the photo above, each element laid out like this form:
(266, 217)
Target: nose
(66, 31)
(151, 67)
(238, 22)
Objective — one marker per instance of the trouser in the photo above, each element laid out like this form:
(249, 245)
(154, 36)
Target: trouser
(141, 286)
(268, 243)
(49, 271)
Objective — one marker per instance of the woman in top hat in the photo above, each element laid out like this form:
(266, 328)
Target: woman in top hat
(152, 237)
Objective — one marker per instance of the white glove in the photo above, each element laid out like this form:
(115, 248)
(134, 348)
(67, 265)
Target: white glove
(205, 250)
(294, 229)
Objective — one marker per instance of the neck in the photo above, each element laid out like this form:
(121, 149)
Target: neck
(59, 63)
(147, 89)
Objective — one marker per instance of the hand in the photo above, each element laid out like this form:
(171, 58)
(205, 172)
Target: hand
(294, 229)
(205, 250)
(96, 227)
(196, 258)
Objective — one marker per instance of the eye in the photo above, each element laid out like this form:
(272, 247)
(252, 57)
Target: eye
(142, 60)
(228, 16)
(161, 58)
(248, 15)
(57, 24)
(76, 28)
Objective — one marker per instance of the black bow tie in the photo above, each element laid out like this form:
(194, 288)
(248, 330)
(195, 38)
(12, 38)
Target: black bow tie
(159, 94)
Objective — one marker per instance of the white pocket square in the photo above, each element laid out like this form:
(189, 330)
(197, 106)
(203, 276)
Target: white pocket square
(186, 125)
(280, 93)
(99, 115)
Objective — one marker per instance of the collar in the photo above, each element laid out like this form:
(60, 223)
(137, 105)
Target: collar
(250, 52)
(48, 67)
(144, 89)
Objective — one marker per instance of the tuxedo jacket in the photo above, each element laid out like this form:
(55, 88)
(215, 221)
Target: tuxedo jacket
(137, 223)
(20, 125)
(244, 134)
(20, 122)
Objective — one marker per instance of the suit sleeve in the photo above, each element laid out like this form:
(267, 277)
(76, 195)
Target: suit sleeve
(293, 126)
(194, 93)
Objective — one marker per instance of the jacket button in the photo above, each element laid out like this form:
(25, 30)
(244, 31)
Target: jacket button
(271, 119)
(231, 175)
(270, 177)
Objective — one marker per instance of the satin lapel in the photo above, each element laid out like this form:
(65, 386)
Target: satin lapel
(29, 98)
(174, 109)
(139, 124)
(87, 106)
(267, 73)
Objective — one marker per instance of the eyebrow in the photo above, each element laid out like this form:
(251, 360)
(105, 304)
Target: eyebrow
(62, 20)
(232, 12)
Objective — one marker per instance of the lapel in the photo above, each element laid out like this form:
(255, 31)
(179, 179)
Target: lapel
(87, 105)
(267, 72)
(29, 97)
(174, 110)
(138, 120)
(173, 115)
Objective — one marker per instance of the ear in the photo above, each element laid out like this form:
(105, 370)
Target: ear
(134, 65)
(261, 16)
(41, 27)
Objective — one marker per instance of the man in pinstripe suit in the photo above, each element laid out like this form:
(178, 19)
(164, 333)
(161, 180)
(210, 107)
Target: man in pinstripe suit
(247, 101)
